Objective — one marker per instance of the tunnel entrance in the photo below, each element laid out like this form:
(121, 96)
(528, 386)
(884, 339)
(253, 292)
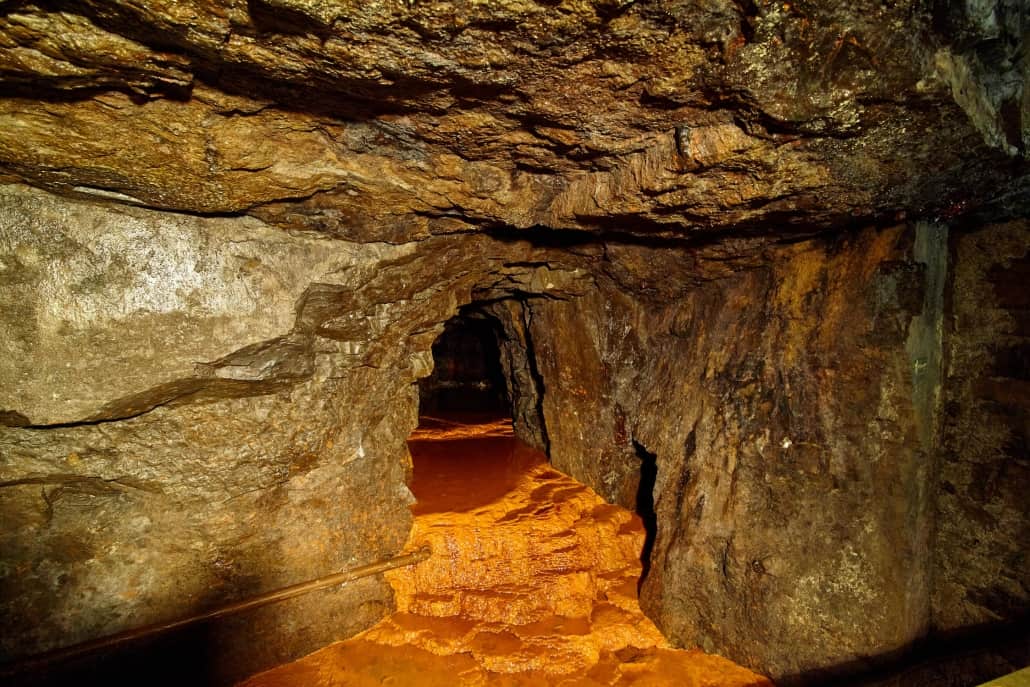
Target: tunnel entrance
(532, 577)
(533, 573)
(467, 375)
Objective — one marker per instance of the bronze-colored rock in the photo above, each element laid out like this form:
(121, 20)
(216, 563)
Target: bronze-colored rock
(671, 119)
(251, 219)
(771, 400)
(161, 454)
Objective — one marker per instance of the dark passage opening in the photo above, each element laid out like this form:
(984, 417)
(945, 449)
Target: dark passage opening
(645, 504)
(467, 376)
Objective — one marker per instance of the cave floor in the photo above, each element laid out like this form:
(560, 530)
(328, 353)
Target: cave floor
(532, 581)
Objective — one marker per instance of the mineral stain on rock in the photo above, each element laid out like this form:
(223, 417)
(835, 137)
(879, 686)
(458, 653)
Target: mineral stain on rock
(532, 581)
(756, 268)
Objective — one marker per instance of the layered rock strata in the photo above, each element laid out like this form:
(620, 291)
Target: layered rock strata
(711, 231)
(198, 410)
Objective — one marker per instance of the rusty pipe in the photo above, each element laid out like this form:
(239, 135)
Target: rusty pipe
(92, 645)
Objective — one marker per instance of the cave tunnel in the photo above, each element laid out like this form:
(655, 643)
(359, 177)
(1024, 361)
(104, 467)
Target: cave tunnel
(554, 565)
(711, 317)
(467, 373)
(474, 381)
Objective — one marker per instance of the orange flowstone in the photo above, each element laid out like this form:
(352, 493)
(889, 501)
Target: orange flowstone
(532, 581)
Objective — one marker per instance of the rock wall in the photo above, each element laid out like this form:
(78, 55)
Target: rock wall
(281, 201)
(840, 433)
(518, 360)
(184, 440)
(793, 497)
(982, 573)
(197, 410)
(386, 121)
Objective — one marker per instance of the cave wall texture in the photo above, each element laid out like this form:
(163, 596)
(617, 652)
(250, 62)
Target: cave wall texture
(782, 247)
(139, 481)
(793, 499)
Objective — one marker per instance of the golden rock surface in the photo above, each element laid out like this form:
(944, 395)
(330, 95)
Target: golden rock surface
(533, 581)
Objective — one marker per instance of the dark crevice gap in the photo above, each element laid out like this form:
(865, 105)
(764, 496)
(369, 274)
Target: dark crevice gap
(647, 233)
(645, 504)
(467, 373)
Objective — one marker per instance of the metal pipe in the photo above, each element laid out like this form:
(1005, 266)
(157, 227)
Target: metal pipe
(89, 646)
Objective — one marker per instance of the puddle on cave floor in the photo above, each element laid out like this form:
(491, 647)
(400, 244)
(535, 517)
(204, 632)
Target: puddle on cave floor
(533, 581)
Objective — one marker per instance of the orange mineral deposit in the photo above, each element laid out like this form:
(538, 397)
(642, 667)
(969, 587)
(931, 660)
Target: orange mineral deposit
(532, 581)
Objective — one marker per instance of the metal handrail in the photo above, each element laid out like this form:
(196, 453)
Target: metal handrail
(92, 645)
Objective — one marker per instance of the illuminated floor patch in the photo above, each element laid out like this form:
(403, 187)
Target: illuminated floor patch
(532, 581)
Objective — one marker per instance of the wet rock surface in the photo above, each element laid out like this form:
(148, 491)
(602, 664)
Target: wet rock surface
(773, 251)
(771, 402)
(795, 414)
(532, 580)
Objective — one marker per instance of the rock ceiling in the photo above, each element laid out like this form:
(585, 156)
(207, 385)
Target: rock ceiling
(208, 348)
(397, 119)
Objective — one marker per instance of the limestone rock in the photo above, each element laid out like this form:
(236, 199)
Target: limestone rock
(198, 410)
(174, 295)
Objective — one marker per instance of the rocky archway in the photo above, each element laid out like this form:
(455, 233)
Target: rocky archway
(467, 373)
(779, 246)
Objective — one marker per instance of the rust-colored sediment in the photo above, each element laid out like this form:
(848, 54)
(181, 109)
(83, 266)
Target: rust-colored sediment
(533, 581)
